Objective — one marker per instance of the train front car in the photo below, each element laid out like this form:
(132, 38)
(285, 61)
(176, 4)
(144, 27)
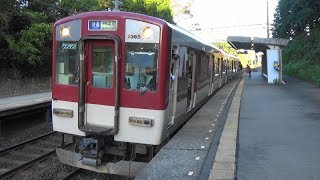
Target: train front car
(110, 83)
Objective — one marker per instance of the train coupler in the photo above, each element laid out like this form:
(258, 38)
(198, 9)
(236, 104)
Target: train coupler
(91, 152)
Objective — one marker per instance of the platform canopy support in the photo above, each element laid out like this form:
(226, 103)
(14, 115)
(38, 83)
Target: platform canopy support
(272, 50)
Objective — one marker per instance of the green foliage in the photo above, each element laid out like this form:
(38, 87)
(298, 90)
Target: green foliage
(299, 20)
(157, 8)
(29, 46)
(296, 17)
(70, 7)
(225, 47)
(301, 57)
(26, 31)
(36, 17)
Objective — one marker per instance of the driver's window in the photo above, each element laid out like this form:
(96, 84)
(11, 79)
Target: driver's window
(141, 69)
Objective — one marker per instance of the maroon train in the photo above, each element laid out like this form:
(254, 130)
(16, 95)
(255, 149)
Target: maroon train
(124, 82)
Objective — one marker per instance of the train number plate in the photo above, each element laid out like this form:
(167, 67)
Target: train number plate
(63, 112)
(69, 46)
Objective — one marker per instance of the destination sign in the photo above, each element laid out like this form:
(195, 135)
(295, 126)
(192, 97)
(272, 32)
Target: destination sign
(102, 25)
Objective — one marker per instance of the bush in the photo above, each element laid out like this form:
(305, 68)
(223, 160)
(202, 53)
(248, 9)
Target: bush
(316, 75)
(301, 57)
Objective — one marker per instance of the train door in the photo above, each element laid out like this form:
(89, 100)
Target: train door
(220, 65)
(173, 85)
(223, 70)
(211, 73)
(191, 79)
(182, 84)
(100, 87)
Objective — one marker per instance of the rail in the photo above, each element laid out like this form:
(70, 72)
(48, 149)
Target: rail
(14, 160)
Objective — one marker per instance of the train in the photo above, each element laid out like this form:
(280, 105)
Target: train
(124, 82)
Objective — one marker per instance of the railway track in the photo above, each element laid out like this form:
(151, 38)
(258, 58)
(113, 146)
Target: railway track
(85, 174)
(71, 174)
(24, 155)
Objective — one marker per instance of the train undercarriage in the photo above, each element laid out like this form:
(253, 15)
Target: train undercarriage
(102, 154)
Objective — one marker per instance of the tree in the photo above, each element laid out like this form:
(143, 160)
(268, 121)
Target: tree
(299, 20)
(26, 27)
(295, 17)
(225, 47)
(30, 45)
(156, 8)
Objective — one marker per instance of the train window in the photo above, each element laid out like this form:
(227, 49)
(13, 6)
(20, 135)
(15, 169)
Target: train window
(67, 62)
(213, 68)
(102, 67)
(141, 67)
(203, 67)
(217, 67)
(207, 67)
(222, 66)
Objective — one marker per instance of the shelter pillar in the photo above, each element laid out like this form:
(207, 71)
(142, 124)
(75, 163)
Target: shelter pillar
(274, 64)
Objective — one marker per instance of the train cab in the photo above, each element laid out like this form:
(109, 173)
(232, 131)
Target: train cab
(106, 63)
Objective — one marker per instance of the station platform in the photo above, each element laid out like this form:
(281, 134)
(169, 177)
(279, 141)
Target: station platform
(248, 130)
(191, 152)
(279, 130)
(17, 104)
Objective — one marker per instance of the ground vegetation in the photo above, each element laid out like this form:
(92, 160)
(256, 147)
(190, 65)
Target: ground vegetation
(299, 21)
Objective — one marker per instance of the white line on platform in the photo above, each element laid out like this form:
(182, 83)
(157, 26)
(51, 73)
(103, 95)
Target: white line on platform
(190, 173)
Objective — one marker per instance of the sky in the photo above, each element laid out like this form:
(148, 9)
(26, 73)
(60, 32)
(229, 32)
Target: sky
(219, 19)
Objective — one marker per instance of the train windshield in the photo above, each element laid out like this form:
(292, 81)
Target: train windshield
(67, 62)
(141, 68)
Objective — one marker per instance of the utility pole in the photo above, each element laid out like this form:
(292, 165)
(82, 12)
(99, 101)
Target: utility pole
(267, 18)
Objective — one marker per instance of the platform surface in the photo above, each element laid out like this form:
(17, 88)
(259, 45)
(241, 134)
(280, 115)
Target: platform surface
(15, 102)
(279, 134)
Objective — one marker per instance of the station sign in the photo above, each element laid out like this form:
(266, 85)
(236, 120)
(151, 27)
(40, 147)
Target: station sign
(102, 25)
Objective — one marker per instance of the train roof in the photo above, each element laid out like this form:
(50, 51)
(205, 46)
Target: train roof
(196, 43)
(111, 13)
(199, 43)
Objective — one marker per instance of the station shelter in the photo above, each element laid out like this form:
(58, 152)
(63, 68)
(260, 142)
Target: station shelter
(269, 48)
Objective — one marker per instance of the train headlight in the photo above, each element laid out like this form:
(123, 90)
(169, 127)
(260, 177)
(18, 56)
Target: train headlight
(147, 33)
(138, 121)
(65, 32)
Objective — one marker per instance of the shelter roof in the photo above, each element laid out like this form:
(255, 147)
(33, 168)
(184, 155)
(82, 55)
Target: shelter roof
(255, 43)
